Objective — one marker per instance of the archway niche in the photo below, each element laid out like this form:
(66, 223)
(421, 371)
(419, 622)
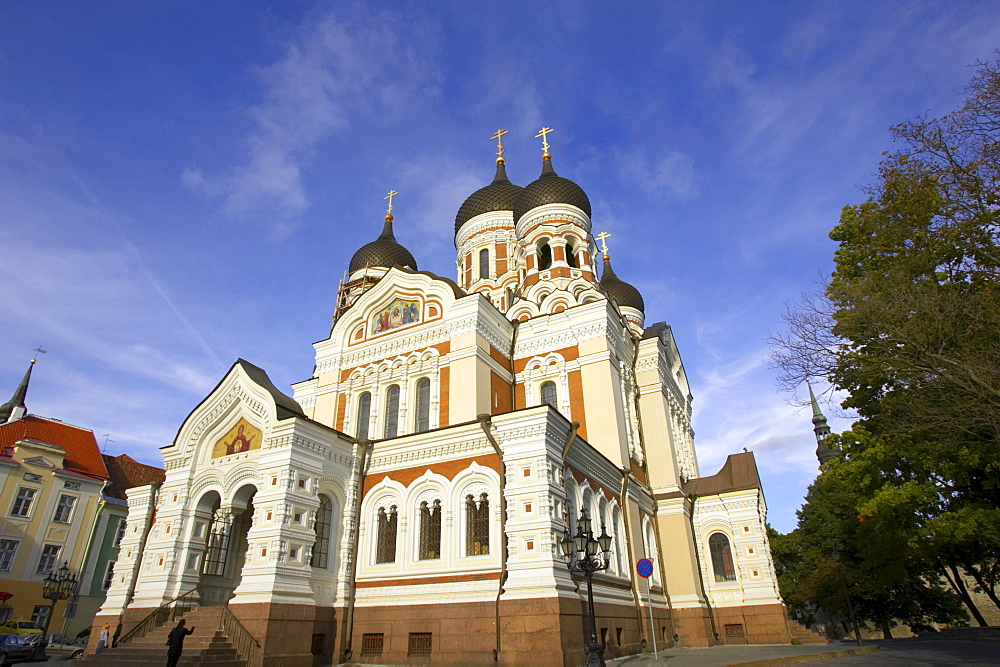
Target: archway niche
(225, 536)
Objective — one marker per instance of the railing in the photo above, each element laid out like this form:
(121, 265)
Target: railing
(166, 612)
(238, 636)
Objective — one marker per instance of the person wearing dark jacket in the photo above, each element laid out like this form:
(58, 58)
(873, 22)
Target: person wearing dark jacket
(175, 642)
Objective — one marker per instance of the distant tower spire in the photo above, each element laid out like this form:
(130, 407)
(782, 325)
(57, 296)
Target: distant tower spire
(16, 408)
(820, 428)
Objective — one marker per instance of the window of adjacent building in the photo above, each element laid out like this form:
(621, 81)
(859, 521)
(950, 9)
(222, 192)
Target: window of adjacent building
(477, 525)
(544, 255)
(430, 530)
(322, 546)
(484, 264)
(7, 550)
(109, 576)
(22, 503)
(47, 563)
(722, 557)
(64, 509)
(549, 393)
(364, 414)
(385, 546)
(392, 411)
(122, 525)
(40, 615)
(423, 421)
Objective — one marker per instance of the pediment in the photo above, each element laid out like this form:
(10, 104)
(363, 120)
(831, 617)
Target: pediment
(40, 461)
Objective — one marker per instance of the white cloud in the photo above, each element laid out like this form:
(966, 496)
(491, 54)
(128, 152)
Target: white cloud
(342, 68)
(670, 176)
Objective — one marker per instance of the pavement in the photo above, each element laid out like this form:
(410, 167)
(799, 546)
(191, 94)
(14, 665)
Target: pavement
(914, 652)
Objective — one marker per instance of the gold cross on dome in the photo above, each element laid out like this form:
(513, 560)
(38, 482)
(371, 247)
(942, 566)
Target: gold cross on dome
(542, 133)
(392, 193)
(497, 135)
(604, 246)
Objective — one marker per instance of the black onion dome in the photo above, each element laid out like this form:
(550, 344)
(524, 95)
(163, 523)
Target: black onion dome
(384, 252)
(550, 188)
(619, 290)
(500, 195)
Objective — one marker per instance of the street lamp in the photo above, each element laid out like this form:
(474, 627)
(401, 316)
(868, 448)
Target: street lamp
(581, 554)
(57, 587)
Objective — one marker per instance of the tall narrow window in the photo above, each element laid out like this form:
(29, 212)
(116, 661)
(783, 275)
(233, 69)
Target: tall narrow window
(22, 504)
(423, 421)
(549, 394)
(64, 510)
(484, 264)
(109, 576)
(47, 563)
(477, 525)
(571, 254)
(217, 544)
(385, 546)
(322, 545)
(430, 530)
(722, 558)
(544, 256)
(364, 414)
(392, 411)
(121, 533)
(7, 550)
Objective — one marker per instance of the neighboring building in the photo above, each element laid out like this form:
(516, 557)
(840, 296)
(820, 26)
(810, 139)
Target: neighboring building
(51, 483)
(407, 505)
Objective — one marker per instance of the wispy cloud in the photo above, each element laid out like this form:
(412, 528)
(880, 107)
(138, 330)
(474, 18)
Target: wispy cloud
(342, 67)
(669, 176)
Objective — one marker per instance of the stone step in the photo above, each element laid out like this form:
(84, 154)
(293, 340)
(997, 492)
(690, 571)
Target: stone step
(804, 635)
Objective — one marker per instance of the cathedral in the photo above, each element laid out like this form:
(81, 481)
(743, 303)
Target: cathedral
(408, 503)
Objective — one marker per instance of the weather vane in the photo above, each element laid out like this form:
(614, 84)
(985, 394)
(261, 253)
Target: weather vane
(392, 193)
(500, 149)
(545, 143)
(604, 246)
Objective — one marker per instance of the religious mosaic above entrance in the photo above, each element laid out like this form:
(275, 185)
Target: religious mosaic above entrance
(242, 437)
(399, 313)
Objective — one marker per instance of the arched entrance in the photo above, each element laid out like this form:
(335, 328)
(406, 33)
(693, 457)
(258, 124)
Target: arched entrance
(225, 544)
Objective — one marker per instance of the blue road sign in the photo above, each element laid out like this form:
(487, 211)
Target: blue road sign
(644, 567)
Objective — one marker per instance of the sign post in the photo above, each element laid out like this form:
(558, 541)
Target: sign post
(645, 569)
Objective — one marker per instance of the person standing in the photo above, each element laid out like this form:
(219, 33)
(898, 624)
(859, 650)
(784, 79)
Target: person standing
(102, 640)
(118, 633)
(175, 642)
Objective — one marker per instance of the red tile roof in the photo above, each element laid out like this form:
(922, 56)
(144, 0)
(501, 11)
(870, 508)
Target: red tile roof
(125, 473)
(82, 452)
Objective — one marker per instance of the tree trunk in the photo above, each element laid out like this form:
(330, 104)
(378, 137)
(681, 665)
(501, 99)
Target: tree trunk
(959, 587)
(978, 576)
(886, 628)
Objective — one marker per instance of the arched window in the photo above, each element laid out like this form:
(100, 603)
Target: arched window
(385, 545)
(430, 530)
(477, 525)
(217, 543)
(364, 414)
(549, 394)
(392, 411)
(321, 548)
(423, 420)
(484, 264)
(544, 255)
(571, 254)
(722, 557)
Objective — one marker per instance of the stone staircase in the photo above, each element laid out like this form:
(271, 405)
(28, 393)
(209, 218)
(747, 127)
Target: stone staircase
(207, 646)
(802, 635)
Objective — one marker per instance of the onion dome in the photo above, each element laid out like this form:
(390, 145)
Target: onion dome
(500, 195)
(384, 252)
(550, 188)
(619, 290)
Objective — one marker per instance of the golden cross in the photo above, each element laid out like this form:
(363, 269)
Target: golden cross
(497, 135)
(545, 143)
(604, 246)
(392, 193)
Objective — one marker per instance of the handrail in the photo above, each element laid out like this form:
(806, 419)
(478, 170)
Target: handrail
(168, 611)
(238, 635)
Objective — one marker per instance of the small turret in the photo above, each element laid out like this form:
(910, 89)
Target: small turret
(16, 408)
(823, 452)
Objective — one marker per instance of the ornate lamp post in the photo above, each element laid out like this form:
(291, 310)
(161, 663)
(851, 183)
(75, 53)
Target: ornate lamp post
(57, 587)
(585, 553)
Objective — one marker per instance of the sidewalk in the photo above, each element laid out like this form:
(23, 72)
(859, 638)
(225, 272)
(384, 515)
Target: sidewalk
(758, 656)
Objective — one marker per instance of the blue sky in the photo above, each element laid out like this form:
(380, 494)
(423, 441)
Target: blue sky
(182, 184)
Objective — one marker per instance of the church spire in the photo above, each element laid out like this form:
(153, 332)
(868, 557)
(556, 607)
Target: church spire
(823, 452)
(15, 408)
